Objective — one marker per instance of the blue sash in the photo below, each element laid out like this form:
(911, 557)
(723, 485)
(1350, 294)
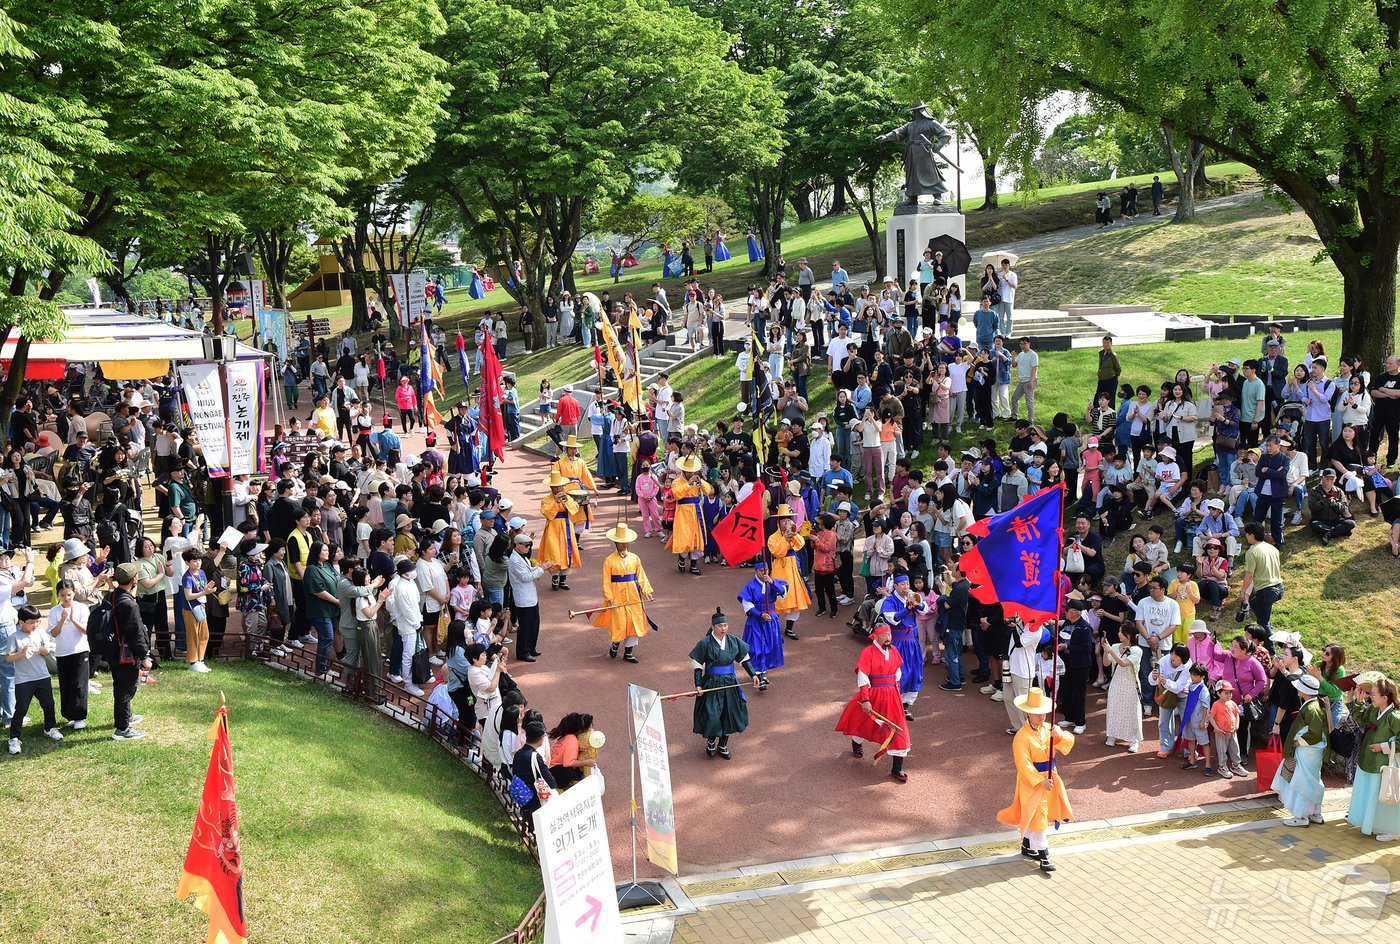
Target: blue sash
(719, 670)
(632, 578)
(568, 534)
(624, 578)
(1044, 765)
(587, 513)
(699, 518)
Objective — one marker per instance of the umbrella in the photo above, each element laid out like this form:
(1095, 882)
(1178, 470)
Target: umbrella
(1390, 508)
(955, 254)
(994, 257)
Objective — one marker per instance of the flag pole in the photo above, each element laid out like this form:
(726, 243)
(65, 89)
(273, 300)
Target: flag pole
(1059, 609)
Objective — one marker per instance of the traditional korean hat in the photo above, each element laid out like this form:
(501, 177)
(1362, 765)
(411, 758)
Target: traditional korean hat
(718, 617)
(556, 479)
(571, 442)
(784, 511)
(689, 464)
(1033, 702)
(621, 534)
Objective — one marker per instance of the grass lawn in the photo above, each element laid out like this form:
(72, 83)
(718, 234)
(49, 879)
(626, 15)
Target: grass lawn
(1237, 260)
(354, 828)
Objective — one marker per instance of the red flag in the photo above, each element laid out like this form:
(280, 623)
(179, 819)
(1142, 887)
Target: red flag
(213, 871)
(597, 357)
(379, 368)
(492, 393)
(739, 534)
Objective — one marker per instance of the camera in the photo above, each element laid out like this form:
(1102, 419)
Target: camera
(1242, 612)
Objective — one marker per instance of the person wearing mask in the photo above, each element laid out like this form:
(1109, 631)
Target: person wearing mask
(405, 605)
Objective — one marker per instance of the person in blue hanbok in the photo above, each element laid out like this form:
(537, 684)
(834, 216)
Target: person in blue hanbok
(439, 296)
(721, 250)
(606, 465)
(762, 631)
(755, 248)
(1301, 791)
(461, 439)
(478, 287)
(667, 257)
(899, 611)
(720, 707)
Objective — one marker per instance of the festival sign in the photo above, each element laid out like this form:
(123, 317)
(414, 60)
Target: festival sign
(399, 282)
(245, 417)
(204, 395)
(654, 769)
(417, 288)
(576, 865)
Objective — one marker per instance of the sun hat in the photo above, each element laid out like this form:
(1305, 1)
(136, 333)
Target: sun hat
(621, 534)
(556, 480)
(689, 464)
(1033, 702)
(73, 548)
(1306, 684)
(516, 523)
(402, 521)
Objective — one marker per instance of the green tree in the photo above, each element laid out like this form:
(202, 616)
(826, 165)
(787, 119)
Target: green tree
(567, 106)
(645, 218)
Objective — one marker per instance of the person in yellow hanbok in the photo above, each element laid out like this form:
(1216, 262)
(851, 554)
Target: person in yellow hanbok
(625, 586)
(558, 545)
(1040, 792)
(785, 546)
(688, 528)
(575, 470)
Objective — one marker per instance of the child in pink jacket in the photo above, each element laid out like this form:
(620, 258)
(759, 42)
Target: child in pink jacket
(647, 488)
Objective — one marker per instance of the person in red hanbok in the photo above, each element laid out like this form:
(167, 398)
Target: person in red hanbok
(875, 713)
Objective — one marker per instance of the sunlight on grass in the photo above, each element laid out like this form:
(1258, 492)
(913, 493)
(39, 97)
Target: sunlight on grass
(355, 829)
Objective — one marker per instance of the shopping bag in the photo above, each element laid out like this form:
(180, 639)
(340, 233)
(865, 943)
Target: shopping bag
(1266, 764)
(1390, 780)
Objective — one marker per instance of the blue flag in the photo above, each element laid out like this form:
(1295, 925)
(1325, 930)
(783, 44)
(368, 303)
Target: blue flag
(1017, 561)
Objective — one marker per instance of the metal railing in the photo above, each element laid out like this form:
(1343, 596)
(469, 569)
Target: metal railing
(390, 698)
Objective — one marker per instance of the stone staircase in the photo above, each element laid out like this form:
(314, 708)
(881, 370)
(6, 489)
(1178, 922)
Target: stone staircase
(669, 356)
(1055, 330)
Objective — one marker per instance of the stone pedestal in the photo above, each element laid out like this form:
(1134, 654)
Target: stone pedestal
(907, 233)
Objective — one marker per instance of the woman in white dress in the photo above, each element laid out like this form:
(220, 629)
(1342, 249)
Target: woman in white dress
(1124, 713)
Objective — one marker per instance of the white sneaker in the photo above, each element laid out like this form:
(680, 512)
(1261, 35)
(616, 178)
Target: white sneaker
(1079, 729)
(845, 601)
(94, 688)
(279, 651)
(295, 644)
(308, 640)
(435, 661)
(1064, 724)
(987, 689)
(14, 745)
(998, 696)
(53, 734)
(396, 679)
(201, 667)
(130, 734)
(137, 719)
(1146, 711)
(1133, 748)
(1387, 837)
(1296, 519)
(1177, 549)
(1302, 821)
(413, 690)
(1110, 742)
(77, 725)
(1315, 818)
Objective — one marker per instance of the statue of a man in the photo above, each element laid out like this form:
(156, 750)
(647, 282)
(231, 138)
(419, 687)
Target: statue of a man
(923, 138)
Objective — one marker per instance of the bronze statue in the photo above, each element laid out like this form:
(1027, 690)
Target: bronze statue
(924, 138)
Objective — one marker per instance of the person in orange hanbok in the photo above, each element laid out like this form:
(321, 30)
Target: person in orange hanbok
(573, 468)
(785, 546)
(1040, 798)
(625, 586)
(688, 530)
(558, 544)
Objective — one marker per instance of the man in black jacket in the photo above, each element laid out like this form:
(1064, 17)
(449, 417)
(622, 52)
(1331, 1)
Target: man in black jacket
(529, 765)
(131, 655)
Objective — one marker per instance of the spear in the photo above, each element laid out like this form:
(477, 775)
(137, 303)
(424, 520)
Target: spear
(704, 691)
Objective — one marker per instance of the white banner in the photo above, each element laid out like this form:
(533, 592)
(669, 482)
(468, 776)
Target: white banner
(400, 286)
(654, 769)
(259, 295)
(204, 394)
(417, 302)
(576, 865)
(245, 417)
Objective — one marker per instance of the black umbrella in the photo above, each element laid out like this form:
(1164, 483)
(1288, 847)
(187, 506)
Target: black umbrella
(1390, 508)
(955, 254)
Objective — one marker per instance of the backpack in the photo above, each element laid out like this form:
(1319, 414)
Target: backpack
(101, 630)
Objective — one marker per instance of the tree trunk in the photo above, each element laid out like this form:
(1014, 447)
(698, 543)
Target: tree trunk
(1185, 164)
(838, 196)
(989, 181)
(870, 219)
(801, 202)
(1368, 309)
(1200, 176)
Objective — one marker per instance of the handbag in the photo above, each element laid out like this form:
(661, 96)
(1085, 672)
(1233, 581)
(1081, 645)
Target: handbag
(420, 670)
(1266, 764)
(1390, 779)
(1227, 443)
(520, 791)
(199, 612)
(224, 596)
(1167, 700)
(1251, 712)
(444, 620)
(864, 567)
(542, 787)
(1074, 561)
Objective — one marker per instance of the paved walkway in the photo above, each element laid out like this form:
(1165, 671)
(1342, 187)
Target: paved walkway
(1239, 882)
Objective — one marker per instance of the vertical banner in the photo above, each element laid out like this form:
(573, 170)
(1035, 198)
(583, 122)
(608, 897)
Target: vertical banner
(399, 282)
(654, 769)
(259, 294)
(245, 417)
(576, 865)
(204, 395)
(274, 331)
(417, 296)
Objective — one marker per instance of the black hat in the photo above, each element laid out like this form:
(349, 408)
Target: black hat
(718, 617)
